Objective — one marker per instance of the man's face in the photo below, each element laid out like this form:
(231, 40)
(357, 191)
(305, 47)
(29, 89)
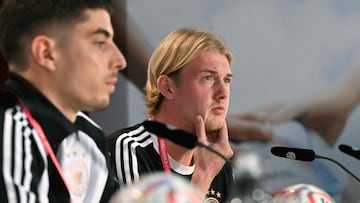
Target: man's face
(204, 89)
(88, 62)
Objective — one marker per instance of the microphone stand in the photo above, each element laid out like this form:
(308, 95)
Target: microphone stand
(339, 164)
(214, 151)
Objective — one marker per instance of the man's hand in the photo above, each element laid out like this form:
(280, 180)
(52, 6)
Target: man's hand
(207, 163)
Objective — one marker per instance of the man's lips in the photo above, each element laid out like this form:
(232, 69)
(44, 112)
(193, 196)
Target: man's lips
(218, 110)
(111, 84)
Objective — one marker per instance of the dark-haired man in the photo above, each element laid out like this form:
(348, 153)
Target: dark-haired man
(62, 60)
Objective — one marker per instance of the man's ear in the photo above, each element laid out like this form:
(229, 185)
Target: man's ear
(166, 86)
(42, 51)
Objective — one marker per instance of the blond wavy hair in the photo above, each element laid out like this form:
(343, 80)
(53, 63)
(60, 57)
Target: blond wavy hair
(173, 53)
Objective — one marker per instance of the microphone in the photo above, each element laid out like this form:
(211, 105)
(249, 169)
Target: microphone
(178, 136)
(350, 151)
(294, 153)
(171, 133)
(305, 155)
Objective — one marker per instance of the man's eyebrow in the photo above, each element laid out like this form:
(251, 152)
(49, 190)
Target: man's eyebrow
(215, 72)
(102, 32)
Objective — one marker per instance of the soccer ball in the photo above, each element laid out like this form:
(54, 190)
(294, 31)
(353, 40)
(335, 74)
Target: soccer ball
(302, 193)
(159, 188)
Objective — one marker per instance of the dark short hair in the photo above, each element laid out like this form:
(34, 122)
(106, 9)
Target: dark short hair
(24, 18)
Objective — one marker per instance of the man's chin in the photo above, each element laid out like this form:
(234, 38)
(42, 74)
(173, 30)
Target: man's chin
(100, 105)
(213, 126)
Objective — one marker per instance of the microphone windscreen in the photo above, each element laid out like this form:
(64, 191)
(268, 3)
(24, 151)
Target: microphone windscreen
(180, 137)
(294, 153)
(346, 149)
(349, 150)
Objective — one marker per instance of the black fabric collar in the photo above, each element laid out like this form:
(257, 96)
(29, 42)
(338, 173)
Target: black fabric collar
(55, 125)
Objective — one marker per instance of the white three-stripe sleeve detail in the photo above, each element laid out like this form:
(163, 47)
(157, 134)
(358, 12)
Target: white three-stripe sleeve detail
(27, 163)
(18, 156)
(118, 159)
(124, 161)
(7, 157)
(20, 159)
(134, 156)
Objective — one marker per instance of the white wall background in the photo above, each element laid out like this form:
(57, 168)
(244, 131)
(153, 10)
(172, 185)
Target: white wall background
(283, 49)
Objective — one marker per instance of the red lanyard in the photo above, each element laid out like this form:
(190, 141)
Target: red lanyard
(164, 155)
(44, 141)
